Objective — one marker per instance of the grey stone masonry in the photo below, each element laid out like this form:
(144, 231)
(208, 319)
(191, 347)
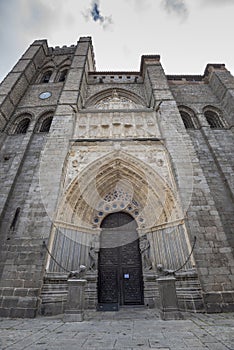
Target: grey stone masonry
(17, 81)
(222, 84)
(77, 145)
(23, 268)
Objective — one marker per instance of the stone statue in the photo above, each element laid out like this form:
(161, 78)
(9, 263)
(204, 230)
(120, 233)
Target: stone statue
(78, 273)
(145, 248)
(164, 272)
(93, 254)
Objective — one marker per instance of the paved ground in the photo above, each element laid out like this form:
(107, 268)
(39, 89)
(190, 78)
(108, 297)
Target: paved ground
(128, 329)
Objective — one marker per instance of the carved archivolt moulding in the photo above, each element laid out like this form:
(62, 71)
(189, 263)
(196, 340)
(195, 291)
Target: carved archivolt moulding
(118, 182)
(115, 99)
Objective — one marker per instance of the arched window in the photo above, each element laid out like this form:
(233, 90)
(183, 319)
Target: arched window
(22, 127)
(188, 116)
(213, 119)
(45, 125)
(46, 77)
(62, 75)
(187, 120)
(44, 122)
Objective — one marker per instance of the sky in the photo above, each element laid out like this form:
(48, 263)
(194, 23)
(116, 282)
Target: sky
(187, 34)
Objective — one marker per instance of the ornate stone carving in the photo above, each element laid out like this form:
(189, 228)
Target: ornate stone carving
(78, 273)
(145, 253)
(145, 184)
(117, 102)
(93, 254)
(113, 124)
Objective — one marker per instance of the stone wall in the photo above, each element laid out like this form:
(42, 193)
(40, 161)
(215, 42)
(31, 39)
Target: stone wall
(210, 214)
(98, 119)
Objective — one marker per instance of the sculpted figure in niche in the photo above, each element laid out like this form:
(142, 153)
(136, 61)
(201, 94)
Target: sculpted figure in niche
(140, 127)
(139, 120)
(83, 121)
(82, 131)
(145, 253)
(93, 130)
(150, 121)
(93, 254)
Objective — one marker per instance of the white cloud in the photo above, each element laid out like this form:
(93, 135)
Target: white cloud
(176, 7)
(217, 2)
(140, 27)
(94, 13)
(141, 5)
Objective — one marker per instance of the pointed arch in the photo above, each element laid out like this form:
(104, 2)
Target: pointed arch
(118, 181)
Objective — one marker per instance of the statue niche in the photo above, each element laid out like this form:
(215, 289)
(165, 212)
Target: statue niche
(145, 253)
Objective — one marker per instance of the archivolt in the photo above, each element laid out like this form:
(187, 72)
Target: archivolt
(96, 192)
(93, 100)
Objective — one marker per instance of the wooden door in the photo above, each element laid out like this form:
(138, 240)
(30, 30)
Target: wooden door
(119, 270)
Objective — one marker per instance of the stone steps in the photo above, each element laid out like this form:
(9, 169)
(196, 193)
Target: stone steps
(53, 294)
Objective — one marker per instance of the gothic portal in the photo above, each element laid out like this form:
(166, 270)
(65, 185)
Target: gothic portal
(119, 171)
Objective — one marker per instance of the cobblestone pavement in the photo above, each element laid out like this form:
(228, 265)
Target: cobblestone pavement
(128, 329)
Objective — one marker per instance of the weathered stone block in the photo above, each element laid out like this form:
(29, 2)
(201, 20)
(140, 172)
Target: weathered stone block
(213, 298)
(27, 302)
(17, 313)
(4, 312)
(228, 297)
(10, 301)
(7, 291)
(7, 107)
(30, 313)
(22, 292)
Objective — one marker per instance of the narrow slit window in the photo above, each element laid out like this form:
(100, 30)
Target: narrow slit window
(15, 218)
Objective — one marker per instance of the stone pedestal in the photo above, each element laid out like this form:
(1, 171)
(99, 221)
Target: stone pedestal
(74, 311)
(168, 299)
(150, 289)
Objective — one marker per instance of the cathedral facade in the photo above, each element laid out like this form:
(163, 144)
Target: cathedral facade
(126, 173)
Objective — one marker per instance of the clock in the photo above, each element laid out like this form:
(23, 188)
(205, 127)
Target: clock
(45, 95)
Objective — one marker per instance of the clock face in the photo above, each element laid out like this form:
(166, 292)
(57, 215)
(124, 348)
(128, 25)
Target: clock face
(45, 95)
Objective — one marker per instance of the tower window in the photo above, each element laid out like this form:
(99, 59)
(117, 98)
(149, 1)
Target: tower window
(63, 75)
(213, 119)
(22, 127)
(46, 77)
(187, 120)
(45, 126)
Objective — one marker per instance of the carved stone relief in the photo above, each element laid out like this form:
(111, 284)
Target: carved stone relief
(117, 125)
(82, 155)
(97, 169)
(116, 102)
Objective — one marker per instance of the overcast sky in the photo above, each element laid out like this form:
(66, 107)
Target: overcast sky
(187, 34)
